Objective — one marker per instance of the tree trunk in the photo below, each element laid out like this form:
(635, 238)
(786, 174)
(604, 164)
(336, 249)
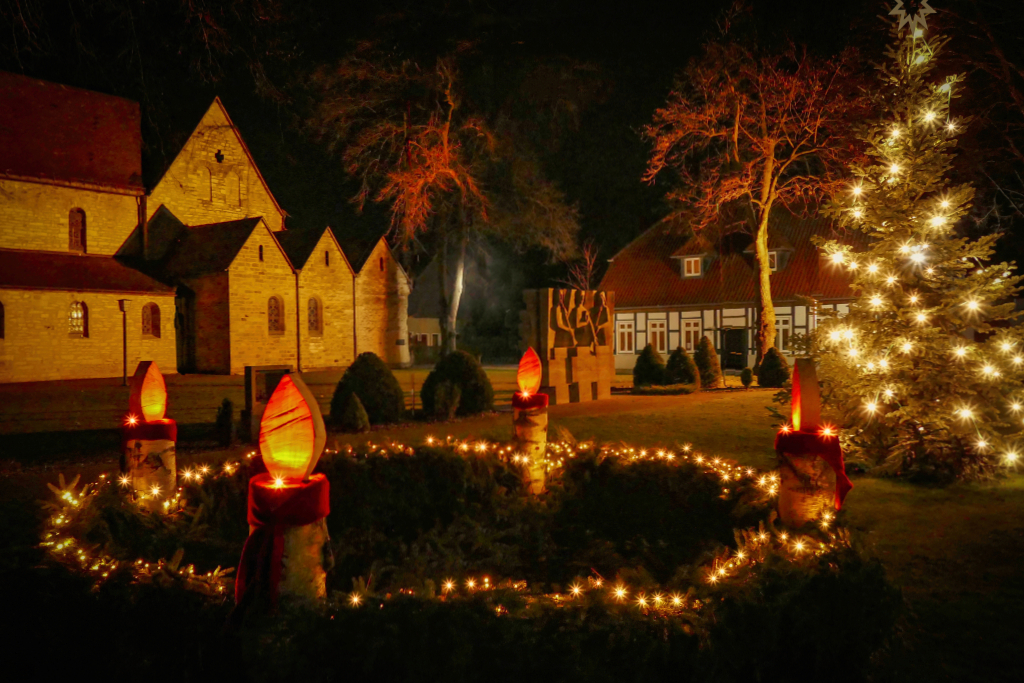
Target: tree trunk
(765, 307)
(451, 312)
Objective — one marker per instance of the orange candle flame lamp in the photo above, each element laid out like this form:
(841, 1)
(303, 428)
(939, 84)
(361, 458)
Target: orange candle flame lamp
(292, 433)
(288, 505)
(528, 378)
(148, 438)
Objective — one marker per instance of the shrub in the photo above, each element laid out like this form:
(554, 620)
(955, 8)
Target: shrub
(353, 416)
(773, 371)
(706, 359)
(463, 371)
(225, 425)
(372, 380)
(747, 377)
(649, 368)
(681, 369)
(446, 400)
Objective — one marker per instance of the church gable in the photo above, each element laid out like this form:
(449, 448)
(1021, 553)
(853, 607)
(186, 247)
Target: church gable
(215, 179)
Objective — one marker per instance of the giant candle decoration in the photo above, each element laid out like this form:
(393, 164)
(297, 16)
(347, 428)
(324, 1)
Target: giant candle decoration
(288, 545)
(149, 462)
(810, 460)
(530, 420)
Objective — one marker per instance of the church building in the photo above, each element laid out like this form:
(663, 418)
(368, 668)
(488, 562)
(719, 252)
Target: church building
(200, 274)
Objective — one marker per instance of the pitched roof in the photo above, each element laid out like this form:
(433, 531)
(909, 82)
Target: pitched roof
(645, 273)
(299, 244)
(206, 249)
(55, 132)
(72, 272)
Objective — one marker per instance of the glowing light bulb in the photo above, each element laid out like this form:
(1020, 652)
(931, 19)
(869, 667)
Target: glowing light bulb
(1011, 458)
(857, 189)
(894, 169)
(965, 413)
(929, 116)
(884, 364)
(853, 352)
(1017, 360)
(937, 221)
(917, 258)
(1015, 407)
(944, 204)
(278, 483)
(972, 305)
(835, 335)
(355, 599)
(951, 127)
(982, 444)
(155, 491)
(873, 268)
(847, 334)
(131, 420)
(895, 132)
(837, 257)
(960, 351)
(888, 393)
(857, 213)
(576, 589)
(930, 271)
(904, 249)
(988, 370)
(871, 366)
(921, 317)
(913, 298)
(876, 301)
(1006, 346)
(449, 586)
(620, 593)
(871, 407)
(470, 584)
(907, 346)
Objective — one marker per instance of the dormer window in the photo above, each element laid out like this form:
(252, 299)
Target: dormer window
(692, 267)
(773, 261)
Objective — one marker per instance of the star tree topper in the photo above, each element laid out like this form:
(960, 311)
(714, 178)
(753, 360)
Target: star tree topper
(915, 16)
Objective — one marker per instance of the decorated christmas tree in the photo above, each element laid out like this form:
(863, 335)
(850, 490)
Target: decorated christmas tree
(925, 370)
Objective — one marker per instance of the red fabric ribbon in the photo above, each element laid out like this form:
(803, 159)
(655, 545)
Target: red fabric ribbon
(157, 430)
(825, 447)
(271, 511)
(533, 401)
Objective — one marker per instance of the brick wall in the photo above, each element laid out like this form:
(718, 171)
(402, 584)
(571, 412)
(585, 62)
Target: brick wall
(382, 303)
(36, 345)
(332, 286)
(200, 189)
(251, 283)
(35, 216)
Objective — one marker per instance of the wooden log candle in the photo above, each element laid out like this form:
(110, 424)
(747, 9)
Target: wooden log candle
(148, 440)
(813, 476)
(530, 421)
(288, 550)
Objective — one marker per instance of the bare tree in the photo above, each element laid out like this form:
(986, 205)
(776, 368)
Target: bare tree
(413, 139)
(751, 131)
(582, 272)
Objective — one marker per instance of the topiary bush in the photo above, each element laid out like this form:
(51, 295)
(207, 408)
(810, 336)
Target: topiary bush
(706, 359)
(446, 400)
(747, 377)
(681, 369)
(464, 371)
(372, 381)
(649, 368)
(774, 370)
(353, 417)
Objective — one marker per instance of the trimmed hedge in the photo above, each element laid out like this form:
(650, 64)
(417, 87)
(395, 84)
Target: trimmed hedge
(378, 390)
(773, 371)
(747, 377)
(706, 359)
(476, 395)
(354, 418)
(681, 369)
(649, 368)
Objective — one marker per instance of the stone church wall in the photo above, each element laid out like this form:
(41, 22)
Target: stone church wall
(251, 283)
(382, 303)
(332, 285)
(36, 344)
(213, 179)
(35, 216)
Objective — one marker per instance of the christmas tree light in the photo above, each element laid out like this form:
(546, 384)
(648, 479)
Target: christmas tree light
(926, 291)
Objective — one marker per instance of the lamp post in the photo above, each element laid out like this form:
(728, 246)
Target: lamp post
(123, 306)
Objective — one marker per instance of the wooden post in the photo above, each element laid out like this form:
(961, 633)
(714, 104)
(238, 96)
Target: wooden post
(808, 482)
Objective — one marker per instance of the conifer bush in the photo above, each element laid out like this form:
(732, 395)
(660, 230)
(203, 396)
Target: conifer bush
(708, 366)
(378, 390)
(476, 395)
(747, 377)
(681, 369)
(353, 417)
(773, 371)
(649, 368)
(447, 396)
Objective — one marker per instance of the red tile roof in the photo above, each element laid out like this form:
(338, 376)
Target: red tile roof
(72, 272)
(644, 274)
(56, 132)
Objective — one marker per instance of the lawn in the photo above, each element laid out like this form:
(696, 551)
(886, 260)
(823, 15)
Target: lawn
(958, 552)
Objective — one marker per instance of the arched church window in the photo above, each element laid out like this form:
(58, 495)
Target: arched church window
(315, 315)
(78, 319)
(204, 183)
(76, 230)
(151, 320)
(275, 315)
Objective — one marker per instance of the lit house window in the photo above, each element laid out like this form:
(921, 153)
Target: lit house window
(783, 332)
(78, 319)
(773, 261)
(275, 315)
(658, 335)
(691, 267)
(151, 320)
(691, 335)
(625, 335)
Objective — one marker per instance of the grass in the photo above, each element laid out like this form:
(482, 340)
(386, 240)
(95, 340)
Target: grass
(957, 552)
